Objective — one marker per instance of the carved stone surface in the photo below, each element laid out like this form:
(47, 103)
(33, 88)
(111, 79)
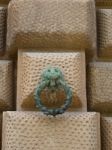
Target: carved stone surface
(100, 86)
(56, 24)
(104, 22)
(32, 64)
(6, 85)
(33, 130)
(3, 13)
(106, 132)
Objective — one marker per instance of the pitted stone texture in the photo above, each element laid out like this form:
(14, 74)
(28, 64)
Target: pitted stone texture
(3, 12)
(104, 19)
(31, 66)
(100, 86)
(33, 130)
(51, 24)
(105, 3)
(106, 130)
(0, 130)
(6, 85)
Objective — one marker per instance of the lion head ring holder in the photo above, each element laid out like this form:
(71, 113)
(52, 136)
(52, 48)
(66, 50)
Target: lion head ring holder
(52, 79)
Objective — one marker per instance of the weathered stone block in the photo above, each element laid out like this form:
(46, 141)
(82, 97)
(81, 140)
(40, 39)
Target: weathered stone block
(30, 68)
(99, 84)
(33, 130)
(104, 21)
(44, 24)
(106, 132)
(6, 85)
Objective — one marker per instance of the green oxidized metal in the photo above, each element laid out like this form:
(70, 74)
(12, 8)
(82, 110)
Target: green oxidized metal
(53, 79)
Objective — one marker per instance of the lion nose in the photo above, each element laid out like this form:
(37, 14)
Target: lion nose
(52, 83)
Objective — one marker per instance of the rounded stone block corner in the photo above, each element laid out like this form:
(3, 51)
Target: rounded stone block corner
(45, 24)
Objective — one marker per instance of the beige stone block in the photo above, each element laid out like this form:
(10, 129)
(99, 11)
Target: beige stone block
(6, 85)
(33, 130)
(3, 14)
(56, 24)
(99, 84)
(106, 132)
(30, 68)
(104, 17)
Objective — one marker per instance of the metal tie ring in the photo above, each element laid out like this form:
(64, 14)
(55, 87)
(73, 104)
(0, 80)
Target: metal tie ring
(52, 78)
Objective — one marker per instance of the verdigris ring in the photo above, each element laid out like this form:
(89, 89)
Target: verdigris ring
(52, 78)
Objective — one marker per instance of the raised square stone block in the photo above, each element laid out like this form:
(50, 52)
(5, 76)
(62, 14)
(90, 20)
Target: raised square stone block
(6, 85)
(33, 130)
(99, 84)
(30, 68)
(51, 24)
(104, 22)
